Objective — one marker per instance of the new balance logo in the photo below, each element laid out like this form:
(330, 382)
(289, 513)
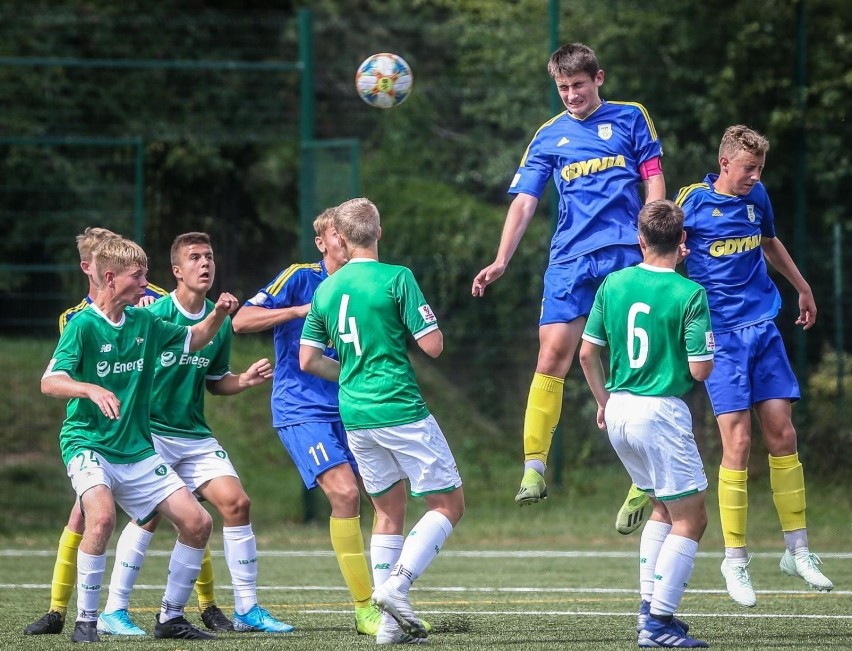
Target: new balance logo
(105, 348)
(717, 213)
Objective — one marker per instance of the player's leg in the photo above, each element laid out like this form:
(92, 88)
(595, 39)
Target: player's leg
(787, 480)
(64, 576)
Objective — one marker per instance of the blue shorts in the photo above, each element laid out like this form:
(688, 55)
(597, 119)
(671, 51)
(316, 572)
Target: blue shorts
(751, 366)
(316, 447)
(569, 289)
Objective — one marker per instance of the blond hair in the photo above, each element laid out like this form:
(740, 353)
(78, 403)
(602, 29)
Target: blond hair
(739, 138)
(117, 255)
(90, 238)
(324, 220)
(357, 221)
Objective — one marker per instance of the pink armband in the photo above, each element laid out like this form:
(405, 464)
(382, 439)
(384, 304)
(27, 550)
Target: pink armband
(651, 167)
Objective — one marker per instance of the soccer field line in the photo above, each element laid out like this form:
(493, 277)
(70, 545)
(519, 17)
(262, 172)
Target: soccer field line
(544, 553)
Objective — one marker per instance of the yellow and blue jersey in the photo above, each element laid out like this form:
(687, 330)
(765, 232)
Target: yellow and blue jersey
(71, 312)
(724, 233)
(297, 397)
(594, 163)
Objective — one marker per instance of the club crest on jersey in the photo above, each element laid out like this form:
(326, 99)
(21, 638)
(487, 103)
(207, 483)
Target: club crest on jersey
(605, 131)
(139, 340)
(750, 212)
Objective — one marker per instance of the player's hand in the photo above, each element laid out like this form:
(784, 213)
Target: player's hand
(807, 310)
(106, 401)
(600, 417)
(227, 303)
(257, 373)
(146, 300)
(485, 277)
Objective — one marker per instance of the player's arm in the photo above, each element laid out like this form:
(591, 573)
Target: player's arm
(203, 333)
(432, 343)
(255, 318)
(590, 361)
(700, 371)
(313, 360)
(62, 385)
(230, 384)
(653, 180)
(521, 211)
(778, 257)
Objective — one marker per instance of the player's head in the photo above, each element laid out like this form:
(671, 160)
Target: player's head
(574, 67)
(742, 155)
(86, 243)
(192, 261)
(661, 226)
(333, 252)
(121, 266)
(357, 222)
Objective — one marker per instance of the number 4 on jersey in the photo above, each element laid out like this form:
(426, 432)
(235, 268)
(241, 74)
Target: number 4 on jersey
(344, 323)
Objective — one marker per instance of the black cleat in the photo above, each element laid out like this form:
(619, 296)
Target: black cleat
(50, 624)
(85, 632)
(179, 628)
(216, 620)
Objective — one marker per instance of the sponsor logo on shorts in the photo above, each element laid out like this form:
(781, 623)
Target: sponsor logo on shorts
(162, 470)
(221, 454)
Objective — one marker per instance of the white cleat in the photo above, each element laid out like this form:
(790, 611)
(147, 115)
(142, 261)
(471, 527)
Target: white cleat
(390, 632)
(738, 581)
(803, 564)
(396, 604)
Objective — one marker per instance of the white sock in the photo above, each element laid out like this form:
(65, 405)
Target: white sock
(241, 556)
(653, 536)
(90, 574)
(184, 566)
(736, 555)
(796, 540)
(674, 568)
(384, 554)
(129, 555)
(422, 545)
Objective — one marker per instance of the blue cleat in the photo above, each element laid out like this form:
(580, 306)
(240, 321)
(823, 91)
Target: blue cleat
(645, 613)
(118, 622)
(658, 634)
(258, 619)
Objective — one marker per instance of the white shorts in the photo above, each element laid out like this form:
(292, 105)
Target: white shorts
(653, 438)
(417, 451)
(138, 488)
(196, 461)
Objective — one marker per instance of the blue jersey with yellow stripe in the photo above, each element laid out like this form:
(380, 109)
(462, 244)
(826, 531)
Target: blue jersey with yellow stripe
(152, 290)
(594, 163)
(297, 397)
(723, 233)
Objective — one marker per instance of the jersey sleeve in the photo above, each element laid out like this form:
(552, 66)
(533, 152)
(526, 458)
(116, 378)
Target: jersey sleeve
(170, 334)
(415, 312)
(700, 343)
(220, 365)
(68, 353)
(535, 169)
(645, 139)
(313, 331)
(767, 222)
(594, 331)
(287, 289)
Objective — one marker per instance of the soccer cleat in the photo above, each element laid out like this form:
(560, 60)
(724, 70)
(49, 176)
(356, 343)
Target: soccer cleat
(634, 511)
(390, 632)
(85, 632)
(258, 619)
(50, 623)
(645, 613)
(533, 489)
(215, 620)
(658, 634)
(368, 619)
(803, 564)
(396, 604)
(177, 628)
(738, 582)
(118, 622)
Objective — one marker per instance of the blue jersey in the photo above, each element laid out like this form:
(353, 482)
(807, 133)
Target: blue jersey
(724, 233)
(595, 165)
(297, 397)
(71, 312)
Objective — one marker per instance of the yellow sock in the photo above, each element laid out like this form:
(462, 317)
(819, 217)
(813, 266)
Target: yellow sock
(733, 505)
(544, 406)
(204, 583)
(64, 571)
(348, 545)
(787, 480)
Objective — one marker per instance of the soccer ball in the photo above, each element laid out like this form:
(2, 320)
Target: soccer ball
(384, 80)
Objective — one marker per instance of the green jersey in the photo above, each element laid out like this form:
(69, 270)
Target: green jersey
(655, 322)
(120, 357)
(177, 402)
(366, 309)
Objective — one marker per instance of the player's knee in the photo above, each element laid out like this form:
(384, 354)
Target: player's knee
(345, 500)
(238, 508)
(196, 526)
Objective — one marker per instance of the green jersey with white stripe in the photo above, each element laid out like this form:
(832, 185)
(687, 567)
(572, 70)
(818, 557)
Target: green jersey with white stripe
(366, 309)
(177, 407)
(655, 322)
(120, 357)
